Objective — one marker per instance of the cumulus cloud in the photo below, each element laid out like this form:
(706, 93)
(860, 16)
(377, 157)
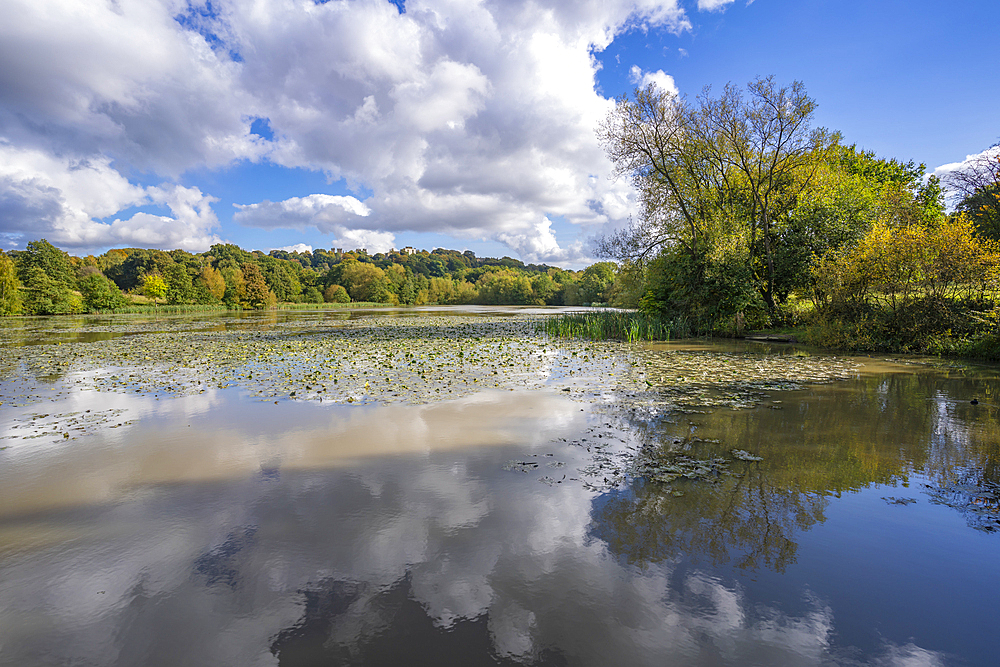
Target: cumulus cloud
(297, 247)
(661, 79)
(469, 119)
(62, 199)
(343, 217)
(324, 212)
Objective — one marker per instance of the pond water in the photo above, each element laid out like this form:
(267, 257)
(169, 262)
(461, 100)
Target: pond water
(199, 490)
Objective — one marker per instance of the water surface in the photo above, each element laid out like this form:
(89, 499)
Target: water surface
(498, 526)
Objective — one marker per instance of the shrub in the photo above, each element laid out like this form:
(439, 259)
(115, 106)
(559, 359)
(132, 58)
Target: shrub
(336, 294)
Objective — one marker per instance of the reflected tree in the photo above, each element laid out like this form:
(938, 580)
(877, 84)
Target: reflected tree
(900, 425)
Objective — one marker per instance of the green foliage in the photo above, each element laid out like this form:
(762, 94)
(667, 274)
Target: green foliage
(10, 287)
(449, 291)
(366, 282)
(154, 286)
(596, 280)
(213, 281)
(131, 273)
(443, 276)
(893, 266)
(505, 286)
(312, 295)
(615, 325)
(707, 290)
(41, 295)
(281, 278)
(258, 294)
(336, 294)
(235, 293)
(929, 288)
(983, 208)
(228, 256)
(179, 287)
(45, 257)
(100, 294)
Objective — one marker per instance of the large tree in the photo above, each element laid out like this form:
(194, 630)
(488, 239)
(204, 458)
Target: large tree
(715, 176)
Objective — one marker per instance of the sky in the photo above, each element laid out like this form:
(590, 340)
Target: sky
(460, 124)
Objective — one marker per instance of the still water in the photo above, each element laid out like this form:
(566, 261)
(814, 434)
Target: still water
(217, 528)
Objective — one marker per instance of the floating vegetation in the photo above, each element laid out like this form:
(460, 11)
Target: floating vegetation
(326, 358)
(672, 460)
(59, 427)
(695, 379)
(521, 466)
(312, 358)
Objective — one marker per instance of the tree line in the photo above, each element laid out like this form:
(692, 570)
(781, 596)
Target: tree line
(751, 218)
(44, 280)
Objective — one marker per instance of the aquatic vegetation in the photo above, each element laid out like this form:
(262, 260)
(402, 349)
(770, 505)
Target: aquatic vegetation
(326, 358)
(372, 359)
(625, 325)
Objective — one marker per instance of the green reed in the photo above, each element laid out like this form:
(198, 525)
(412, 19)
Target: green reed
(623, 325)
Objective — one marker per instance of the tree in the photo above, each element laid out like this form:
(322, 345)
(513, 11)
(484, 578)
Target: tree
(49, 259)
(977, 183)
(312, 295)
(365, 282)
(99, 293)
(213, 281)
(10, 287)
(717, 179)
(154, 286)
(596, 279)
(767, 141)
(44, 295)
(235, 293)
(258, 295)
(179, 288)
(336, 294)
(280, 276)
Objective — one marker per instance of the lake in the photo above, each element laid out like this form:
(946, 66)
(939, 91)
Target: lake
(447, 486)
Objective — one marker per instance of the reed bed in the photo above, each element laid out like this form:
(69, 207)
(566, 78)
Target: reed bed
(623, 325)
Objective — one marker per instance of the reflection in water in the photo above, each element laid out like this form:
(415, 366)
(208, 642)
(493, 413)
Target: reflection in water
(746, 520)
(358, 567)
(309, 535)
(390, 627)
(828, 441)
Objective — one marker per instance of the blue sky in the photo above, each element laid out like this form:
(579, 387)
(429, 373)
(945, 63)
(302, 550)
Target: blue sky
(365, 123)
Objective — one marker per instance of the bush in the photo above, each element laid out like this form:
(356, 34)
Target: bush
(99, 293)
(312, 295)
(336, 294)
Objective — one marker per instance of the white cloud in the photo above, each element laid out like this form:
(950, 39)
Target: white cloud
(470, 119)
(714, 5)
(58, 198)
(945, 169)
(344, 217)
(298, 247)
(320, 211)
(661, 79)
